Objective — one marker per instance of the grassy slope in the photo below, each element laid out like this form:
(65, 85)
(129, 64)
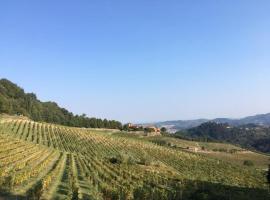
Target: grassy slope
(209, 149)
(88, 151)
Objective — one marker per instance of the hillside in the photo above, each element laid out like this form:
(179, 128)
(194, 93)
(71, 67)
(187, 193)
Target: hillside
(222, 151)
(181, 124)
(48, 161)
(13, 100)
(262, 120)
(250, 136)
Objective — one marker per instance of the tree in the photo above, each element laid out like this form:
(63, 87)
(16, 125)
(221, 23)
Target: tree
(13, 100)
(248, 163)
(126, 127)
(268, 175)
(149, 130)
(163, 130)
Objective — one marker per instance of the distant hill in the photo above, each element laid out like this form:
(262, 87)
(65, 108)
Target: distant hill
(262, 120)
(181, 124)
(251, 136)
(14, 101)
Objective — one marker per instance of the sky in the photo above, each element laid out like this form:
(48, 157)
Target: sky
(140, 61)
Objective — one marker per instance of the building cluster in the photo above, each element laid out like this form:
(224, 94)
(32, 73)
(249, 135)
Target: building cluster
(148, 128)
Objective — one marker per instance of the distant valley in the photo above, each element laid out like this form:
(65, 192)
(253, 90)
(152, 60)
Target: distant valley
(176, 125)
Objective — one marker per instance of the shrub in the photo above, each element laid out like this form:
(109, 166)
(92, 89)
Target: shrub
(115, 160)
(233, 151)
(9, 182)
(268, 175)
(36, 191)
(131, 160)
(122, 158)
(160, 142)
(221, 150)
(144, 160)
(248, 163)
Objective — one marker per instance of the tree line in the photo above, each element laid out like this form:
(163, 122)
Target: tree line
(14, 101)
(250, 136)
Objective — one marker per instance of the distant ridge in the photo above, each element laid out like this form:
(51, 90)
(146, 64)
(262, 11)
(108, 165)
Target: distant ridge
(175, 125)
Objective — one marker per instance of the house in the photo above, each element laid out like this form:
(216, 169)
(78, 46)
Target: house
(149, 130)
(132, 126)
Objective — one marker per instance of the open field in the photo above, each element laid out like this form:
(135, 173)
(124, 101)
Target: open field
(46, 161)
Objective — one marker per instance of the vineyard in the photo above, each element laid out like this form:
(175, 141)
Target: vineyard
(47, 161)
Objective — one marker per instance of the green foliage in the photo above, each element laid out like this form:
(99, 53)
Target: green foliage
(14, 101)
(9, 182)
(268, 175)
(115, 160)
(149, 130)
(163, 130)
(248, 163)
(248, 136)
(145, 160)
(160, 142)
(221, 150)
(233, 151)
(123, 158)
(35, 192)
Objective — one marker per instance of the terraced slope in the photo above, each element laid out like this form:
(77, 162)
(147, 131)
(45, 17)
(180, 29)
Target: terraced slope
(46, 161)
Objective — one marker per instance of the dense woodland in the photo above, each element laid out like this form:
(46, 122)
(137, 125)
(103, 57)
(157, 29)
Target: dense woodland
(14, 101)
(250, 135)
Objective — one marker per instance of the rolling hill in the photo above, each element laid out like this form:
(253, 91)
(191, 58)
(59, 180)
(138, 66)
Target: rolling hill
(48, 161)
(250, 136)
(262, 120)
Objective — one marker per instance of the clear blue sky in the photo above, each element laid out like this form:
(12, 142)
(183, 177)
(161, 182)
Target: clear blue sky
(139, 61)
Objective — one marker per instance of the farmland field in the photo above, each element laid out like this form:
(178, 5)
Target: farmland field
(47, 161)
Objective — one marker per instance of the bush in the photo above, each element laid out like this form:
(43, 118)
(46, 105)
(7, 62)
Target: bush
(268, 175)
(36, 191)
(248, 163)
(220, 150)
(233, 151)
(144, 160)
(131, 161)
(115, 160)
(9, 182)
(122, 158)
(160, 142)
